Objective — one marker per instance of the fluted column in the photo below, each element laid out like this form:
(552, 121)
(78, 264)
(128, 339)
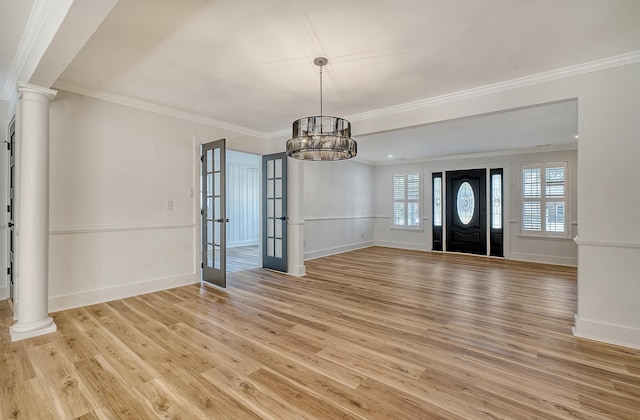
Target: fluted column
(32, 233)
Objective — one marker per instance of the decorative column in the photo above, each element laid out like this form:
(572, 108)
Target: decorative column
(32, 233)
(295, 211)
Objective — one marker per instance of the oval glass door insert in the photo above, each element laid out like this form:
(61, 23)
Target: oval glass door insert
(466, 203)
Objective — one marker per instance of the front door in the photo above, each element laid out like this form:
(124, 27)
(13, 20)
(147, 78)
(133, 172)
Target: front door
(274, 210)
(467, 211)
(11, 208)
(213, 212)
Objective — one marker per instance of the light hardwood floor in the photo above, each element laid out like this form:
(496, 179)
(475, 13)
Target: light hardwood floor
(242, 258)
(374, 333)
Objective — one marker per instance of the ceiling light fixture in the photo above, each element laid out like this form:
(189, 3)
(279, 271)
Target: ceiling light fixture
(321, 137)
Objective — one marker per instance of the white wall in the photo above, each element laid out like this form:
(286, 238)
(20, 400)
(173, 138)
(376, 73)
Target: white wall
(518, 247)
(113, 170)
(338, 207)
(608, 203)
(243, 199)
(385, 235)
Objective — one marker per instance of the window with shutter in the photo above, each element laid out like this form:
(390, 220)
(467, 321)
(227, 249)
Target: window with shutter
(406, 200)
(544, 199)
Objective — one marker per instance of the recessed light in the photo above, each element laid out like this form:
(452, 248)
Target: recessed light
(389, 156)
(576, 136)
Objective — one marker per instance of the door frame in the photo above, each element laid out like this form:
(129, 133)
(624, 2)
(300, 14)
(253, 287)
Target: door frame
(480, 215)
(11, 211)
(506, 200)
(9, 228)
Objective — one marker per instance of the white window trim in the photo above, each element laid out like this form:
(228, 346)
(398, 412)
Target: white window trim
(419, 226)
(543, 200)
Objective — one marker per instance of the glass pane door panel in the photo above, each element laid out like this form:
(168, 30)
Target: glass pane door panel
(278, 191)
(278, 248)
(278, 209)
(209, 159)
(216, 159)
(216, 183)
(209, 261)
(209, 231)
(278, 232)
(270, 188)
(270, 208)
(217, 259)
(270, 169)
(270, 247)
(209, 208)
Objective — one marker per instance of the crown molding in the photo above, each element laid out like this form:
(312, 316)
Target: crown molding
(558, 74)
(155, 108)
(32, 30)
(549, 76)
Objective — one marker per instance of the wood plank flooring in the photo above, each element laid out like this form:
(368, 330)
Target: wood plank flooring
(242, 258)
(370, 334)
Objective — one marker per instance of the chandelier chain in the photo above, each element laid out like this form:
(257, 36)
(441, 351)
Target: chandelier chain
(321, 91)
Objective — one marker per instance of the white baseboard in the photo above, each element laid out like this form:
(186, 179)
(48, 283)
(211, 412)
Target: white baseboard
(546, 259)
(403, 245)
(296, 271)
(336, 250)
(613, 334)
(3, 293)
(58, 303)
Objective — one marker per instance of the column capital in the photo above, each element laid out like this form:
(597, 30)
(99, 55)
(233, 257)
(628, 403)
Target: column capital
(28, 88)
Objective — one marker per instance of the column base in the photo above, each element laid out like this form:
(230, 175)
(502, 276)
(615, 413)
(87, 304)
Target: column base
(23, 331)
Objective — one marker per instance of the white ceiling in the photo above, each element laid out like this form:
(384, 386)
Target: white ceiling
(250, 62)
(539, 128)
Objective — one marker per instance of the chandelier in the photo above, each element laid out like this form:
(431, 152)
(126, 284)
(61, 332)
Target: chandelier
(321, 137)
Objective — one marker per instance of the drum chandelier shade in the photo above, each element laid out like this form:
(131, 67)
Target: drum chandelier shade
(321, 137)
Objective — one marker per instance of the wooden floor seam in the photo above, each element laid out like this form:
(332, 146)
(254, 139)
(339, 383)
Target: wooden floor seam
(376, 333)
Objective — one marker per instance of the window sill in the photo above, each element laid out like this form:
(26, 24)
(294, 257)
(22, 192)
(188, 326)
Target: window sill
(409, 229)
(546, 238)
